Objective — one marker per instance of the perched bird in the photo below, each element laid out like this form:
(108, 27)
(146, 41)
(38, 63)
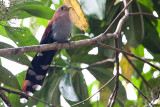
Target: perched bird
(59, 29)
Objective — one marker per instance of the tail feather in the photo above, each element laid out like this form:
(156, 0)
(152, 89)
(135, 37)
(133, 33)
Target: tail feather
(35, 75)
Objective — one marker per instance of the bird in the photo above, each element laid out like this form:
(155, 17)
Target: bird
(58, 30)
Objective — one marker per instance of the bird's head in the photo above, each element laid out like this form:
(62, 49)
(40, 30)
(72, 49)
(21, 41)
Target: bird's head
(62, 11)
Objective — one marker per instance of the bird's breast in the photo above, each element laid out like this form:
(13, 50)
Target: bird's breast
(61, 31)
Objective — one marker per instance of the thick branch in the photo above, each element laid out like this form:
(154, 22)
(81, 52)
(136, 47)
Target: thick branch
(56, 46)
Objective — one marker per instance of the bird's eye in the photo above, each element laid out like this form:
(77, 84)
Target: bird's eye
(62, 8)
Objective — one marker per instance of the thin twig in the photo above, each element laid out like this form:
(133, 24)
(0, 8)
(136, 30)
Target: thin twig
(142, 13)
(101, 62)
(23, 94)
(94, 93)
(137, 71)
(137, 89)
(132, 55)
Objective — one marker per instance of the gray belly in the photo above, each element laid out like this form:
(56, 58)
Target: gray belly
(61, 33)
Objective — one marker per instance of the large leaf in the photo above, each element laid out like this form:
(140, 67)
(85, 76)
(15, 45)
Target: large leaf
(42, 22)
(51, 87)
(80, 87)
(14, 98)
(103, 75)
(32, 8)
(134, 26)
(19, 58)
(66, 88)
(151, 40)
(147, 3)
(22, 37)
(7, 78)
(127, 69)
(112, 10)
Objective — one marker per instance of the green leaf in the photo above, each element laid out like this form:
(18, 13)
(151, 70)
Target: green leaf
(51, 86)
(97, 104)
(147, 3)
(134, 27)
(33, 25)
(1, 103)
(103, 75)
(32, 8)
(47, 2)
(151, 39)
(19, 58)
(130, 103)
(147, 9)
(14, 98)
(94, 83)
(22, 37)
(42, 22)
(109, 5)
(139, 51)
(80, 87)
(66, 88)
(3, 31)
(112, 10)
(7, 78)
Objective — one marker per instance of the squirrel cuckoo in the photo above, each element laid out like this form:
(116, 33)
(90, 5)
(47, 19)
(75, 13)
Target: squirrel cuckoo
(59, 29)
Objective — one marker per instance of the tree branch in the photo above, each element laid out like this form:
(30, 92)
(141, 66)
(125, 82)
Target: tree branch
(5, 99)
(101, 62)
(127, 53)
(55, 46)
(141, 13)
(20, 93)
(137, 71)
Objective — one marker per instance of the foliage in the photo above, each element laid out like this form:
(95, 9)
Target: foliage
(142, 33)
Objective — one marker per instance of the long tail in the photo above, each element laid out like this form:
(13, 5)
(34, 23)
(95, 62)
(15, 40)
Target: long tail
(35, 75)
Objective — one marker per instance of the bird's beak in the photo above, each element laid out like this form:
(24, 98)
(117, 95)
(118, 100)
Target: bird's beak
(69, 7)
